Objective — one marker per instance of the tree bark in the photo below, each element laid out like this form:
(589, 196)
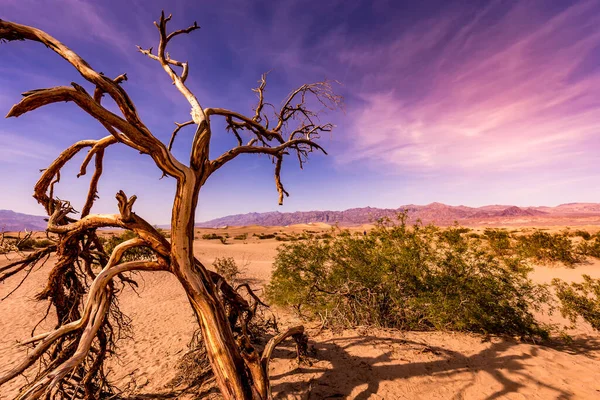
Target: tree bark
(228, 365)
(240, 371)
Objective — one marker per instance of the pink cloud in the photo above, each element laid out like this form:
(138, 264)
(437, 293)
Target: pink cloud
(507, 96)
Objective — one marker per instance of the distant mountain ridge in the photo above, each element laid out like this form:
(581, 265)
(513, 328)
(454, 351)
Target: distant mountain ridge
(435, 212)
(11, 221)
(442, 214)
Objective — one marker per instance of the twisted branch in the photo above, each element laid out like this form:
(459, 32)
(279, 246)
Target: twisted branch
(222, 312)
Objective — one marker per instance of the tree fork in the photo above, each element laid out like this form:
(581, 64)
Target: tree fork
(240, 371)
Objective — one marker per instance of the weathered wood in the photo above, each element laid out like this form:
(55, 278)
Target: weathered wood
(241, 372)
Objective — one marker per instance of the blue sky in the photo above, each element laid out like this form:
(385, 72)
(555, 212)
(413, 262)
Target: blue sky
(458, 102)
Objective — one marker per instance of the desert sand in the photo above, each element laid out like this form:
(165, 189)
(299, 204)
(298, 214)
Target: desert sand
(361, 363)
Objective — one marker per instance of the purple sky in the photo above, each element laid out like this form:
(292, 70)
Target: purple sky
(459, 102)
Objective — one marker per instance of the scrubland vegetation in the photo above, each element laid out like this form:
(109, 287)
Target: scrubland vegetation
(428, 278)
(580, 300)
(414, 277)
(22, 242)
(214, 236)
(132, 254)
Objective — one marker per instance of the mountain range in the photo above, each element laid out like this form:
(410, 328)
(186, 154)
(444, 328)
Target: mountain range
(438, 213)
(11, 221)
(435, 212)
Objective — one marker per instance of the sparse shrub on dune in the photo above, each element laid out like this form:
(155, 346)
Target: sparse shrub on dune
(26, 242)
(343, 233)
(544, 247)
(213, 236)
(590, 247)
(585, 235)
(579, 300)
(499, 240)
(133, 254)
(227, 268)
(41, 243)
(417, 278)
(264, 236)
(164, 233)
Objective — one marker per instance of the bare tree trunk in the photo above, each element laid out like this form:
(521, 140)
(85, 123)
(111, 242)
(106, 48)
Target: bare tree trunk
(223, 353)
(241, 371)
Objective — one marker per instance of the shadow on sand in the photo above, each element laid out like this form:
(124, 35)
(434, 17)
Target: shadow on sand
(347, 372)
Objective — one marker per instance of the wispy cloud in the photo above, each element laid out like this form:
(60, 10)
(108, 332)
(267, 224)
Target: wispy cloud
(19, 150)
(80, 19)
(485, 95)
(446, 101)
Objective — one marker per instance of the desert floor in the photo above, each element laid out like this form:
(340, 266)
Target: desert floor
(360, 364)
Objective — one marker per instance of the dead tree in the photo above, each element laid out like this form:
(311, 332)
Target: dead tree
(76, 349)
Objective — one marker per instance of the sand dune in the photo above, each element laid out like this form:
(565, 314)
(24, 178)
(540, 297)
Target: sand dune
(359, 364)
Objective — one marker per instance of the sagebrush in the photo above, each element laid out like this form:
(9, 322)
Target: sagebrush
(409, 277)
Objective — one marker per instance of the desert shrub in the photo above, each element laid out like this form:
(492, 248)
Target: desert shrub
(579, 300)
(590, 247)
(415, 278)
(453, 234)
(17, 243)
(263, 236)
(164, 233)
(41, 243)
(7, 246)
(306, 236)
(284, 237)
(498, 239)
(26, 244)
(133, 254)
(545, 247)
(212, 236)
(227, 268)
(243, 236)
(582, 234)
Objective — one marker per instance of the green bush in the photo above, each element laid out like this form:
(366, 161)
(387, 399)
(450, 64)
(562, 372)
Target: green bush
(580, 300)
(545, 247)
(10, 243)
(418, 278)
(263, 236)
(41, 243)
(499, 240)
(212, 236)
(241, 237)
(227, 268)
(133, 254)
(27, 244)
(344, 233)
(164, 233)
(583, 234)
(590, 247)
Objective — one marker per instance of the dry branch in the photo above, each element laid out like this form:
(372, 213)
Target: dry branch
(80, 285)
